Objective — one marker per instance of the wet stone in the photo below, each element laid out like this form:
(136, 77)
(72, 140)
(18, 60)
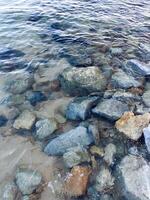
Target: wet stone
(25, 120)
(76, 181)
(131, 125)
(110, 109)
(82, 81)
(60, 145)
(80, 108)
(45, 128)
(116, 51)
(9, 191)
(104, 180)
(126, 97)
(75, 156)
(135, 172)
(121, 80)
(3, 120)
(28, 180)
(18, 83)
(136, 68)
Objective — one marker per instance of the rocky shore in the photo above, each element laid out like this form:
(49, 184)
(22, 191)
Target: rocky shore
(94, 122)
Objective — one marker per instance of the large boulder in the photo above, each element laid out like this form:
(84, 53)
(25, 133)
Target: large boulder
(82, 81)
(75, 137)
(135, 181)
(111, 109)
(131, 125)
(80, 108)
(28, 180)
(121, 80)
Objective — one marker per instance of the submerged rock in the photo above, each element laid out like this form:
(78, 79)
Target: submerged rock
(135, 173)
(75, 156)
(146, 132)
(25, 120)
(75, 137)
(82, 81)
(116, 51)
(18, 83)
(136, 68)
(45, 127)
(111, 109)
(131, 125)
(104, 180)
(80, 108)
(126, 97)
(9, 191)
(121, 80)
(76, 181)
(28, 180)
(3, 120)
(35, 96)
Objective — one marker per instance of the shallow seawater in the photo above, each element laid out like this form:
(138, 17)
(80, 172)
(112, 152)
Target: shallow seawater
(39, 39)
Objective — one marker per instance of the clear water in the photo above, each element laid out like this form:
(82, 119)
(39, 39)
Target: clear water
(44, 29)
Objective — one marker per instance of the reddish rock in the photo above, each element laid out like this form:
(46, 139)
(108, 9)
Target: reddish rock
(77, 180)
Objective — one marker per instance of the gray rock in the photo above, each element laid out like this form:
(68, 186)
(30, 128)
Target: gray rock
(75, 156)
(146, 98)
(146, 132)
(26, 198)
(75, 137)
(45, 128)
(126, 96)
(136, 68)
(82, 81)
(110, 151)
(111, 109)
(19, 82)
(135, 182)
(9, 191)
(25, 120)
(80, 108)
(121, 80)
(116, 51)
(104, 180)
(28, 180)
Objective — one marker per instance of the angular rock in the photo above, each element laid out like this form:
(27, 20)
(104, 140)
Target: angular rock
(126, 96)
(146, 98)
(136, 68)
(146, 132)
(110, 109)
(75, 156)
(104, 180)
(131, 125)
(110, 151)
(9, 191)
(28, 180)
(80, 108)
(82, 81)
(45, 128)
(135, 173)
(35, 96)
(76, 181)
(75, 137)
(25, 120)
(121, 80)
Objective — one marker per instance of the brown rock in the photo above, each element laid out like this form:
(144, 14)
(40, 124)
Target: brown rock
(77, 180)
(131, 125)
